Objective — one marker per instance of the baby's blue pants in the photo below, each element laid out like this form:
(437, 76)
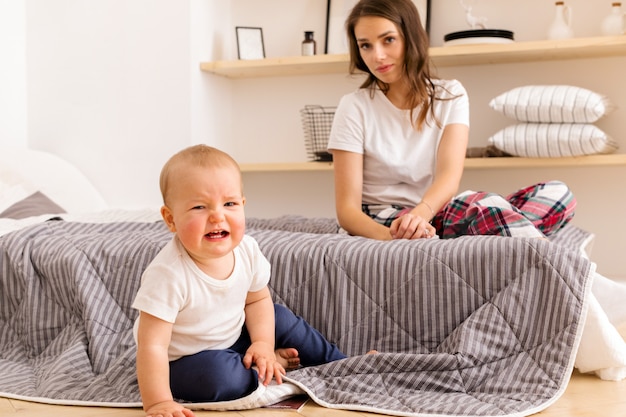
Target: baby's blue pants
(219, 375)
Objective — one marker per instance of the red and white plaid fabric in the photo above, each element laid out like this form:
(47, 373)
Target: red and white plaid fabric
(536, 211)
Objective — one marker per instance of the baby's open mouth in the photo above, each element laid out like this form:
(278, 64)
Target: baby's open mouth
(217, 234)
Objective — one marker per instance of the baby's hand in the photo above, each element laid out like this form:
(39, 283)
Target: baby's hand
(168, 409)
(262, 355)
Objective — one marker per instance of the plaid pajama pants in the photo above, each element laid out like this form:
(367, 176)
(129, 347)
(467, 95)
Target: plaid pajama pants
(536, 211)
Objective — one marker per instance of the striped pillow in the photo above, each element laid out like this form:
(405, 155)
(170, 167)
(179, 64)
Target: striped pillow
(544, 140)
(551, 104)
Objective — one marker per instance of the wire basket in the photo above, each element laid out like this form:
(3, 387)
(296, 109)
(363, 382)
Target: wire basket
(316, 122)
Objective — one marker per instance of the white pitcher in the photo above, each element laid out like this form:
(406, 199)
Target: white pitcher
(613, 24)
(561, 27)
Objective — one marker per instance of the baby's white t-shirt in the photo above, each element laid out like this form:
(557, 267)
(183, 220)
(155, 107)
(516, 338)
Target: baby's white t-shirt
(206, 313)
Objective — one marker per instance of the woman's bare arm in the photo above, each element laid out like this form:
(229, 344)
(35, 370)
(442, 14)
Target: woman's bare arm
(348, 167)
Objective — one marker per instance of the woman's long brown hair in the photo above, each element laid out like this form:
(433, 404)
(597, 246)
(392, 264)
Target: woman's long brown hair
(404, 14)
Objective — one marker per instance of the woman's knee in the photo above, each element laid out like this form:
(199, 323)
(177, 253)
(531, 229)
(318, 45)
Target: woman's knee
(554, 190)
(549, 205)
(561, 193)
(559, 190)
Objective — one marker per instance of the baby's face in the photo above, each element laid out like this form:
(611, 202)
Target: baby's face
(205, 209)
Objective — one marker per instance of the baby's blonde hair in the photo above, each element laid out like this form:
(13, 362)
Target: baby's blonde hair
(198, 156)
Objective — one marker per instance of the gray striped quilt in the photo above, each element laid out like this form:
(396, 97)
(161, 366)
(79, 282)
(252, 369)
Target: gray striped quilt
(475, 326)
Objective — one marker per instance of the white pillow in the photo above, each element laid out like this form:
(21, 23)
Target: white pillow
(545, 140)
(11, 194)
(551, 104)
(58, 179)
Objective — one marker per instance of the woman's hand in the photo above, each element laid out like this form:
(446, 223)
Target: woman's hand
(411, 226)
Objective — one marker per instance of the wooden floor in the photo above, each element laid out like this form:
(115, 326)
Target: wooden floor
(586, 395)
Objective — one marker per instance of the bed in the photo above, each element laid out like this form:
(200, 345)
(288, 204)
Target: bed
(475, 326)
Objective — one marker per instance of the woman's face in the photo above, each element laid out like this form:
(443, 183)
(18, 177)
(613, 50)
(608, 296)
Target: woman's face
(381, 46)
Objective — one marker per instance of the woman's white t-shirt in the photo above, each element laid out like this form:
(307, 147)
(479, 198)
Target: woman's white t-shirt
(206, 313)
(398, 160)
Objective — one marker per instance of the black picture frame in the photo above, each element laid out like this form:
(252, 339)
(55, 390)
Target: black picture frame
(336, 13)
(250, 42)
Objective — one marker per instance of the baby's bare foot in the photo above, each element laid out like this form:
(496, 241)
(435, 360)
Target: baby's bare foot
(288, 358)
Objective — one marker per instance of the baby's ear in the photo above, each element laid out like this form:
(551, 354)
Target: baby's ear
(168, 218)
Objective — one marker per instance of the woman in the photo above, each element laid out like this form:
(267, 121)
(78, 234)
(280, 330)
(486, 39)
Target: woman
(399, 144)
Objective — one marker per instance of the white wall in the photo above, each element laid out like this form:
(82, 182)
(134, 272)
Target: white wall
(114, 87)
(13, 73)
(211, 104)
(109, 89)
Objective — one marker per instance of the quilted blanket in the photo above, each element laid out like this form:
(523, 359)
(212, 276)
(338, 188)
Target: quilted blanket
(476, 326)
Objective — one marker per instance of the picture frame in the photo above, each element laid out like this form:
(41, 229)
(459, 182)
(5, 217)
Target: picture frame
(337, 12)
(250, 42)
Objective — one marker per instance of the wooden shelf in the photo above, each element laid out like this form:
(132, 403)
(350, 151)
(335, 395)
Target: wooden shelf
(446, 56)
(579, 161)
(471, 163)
(546, 50)
(461, 55)
(286, 166)
(274, 67)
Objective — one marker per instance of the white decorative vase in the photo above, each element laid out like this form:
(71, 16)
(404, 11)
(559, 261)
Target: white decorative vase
(613, 24)
(561, 27)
